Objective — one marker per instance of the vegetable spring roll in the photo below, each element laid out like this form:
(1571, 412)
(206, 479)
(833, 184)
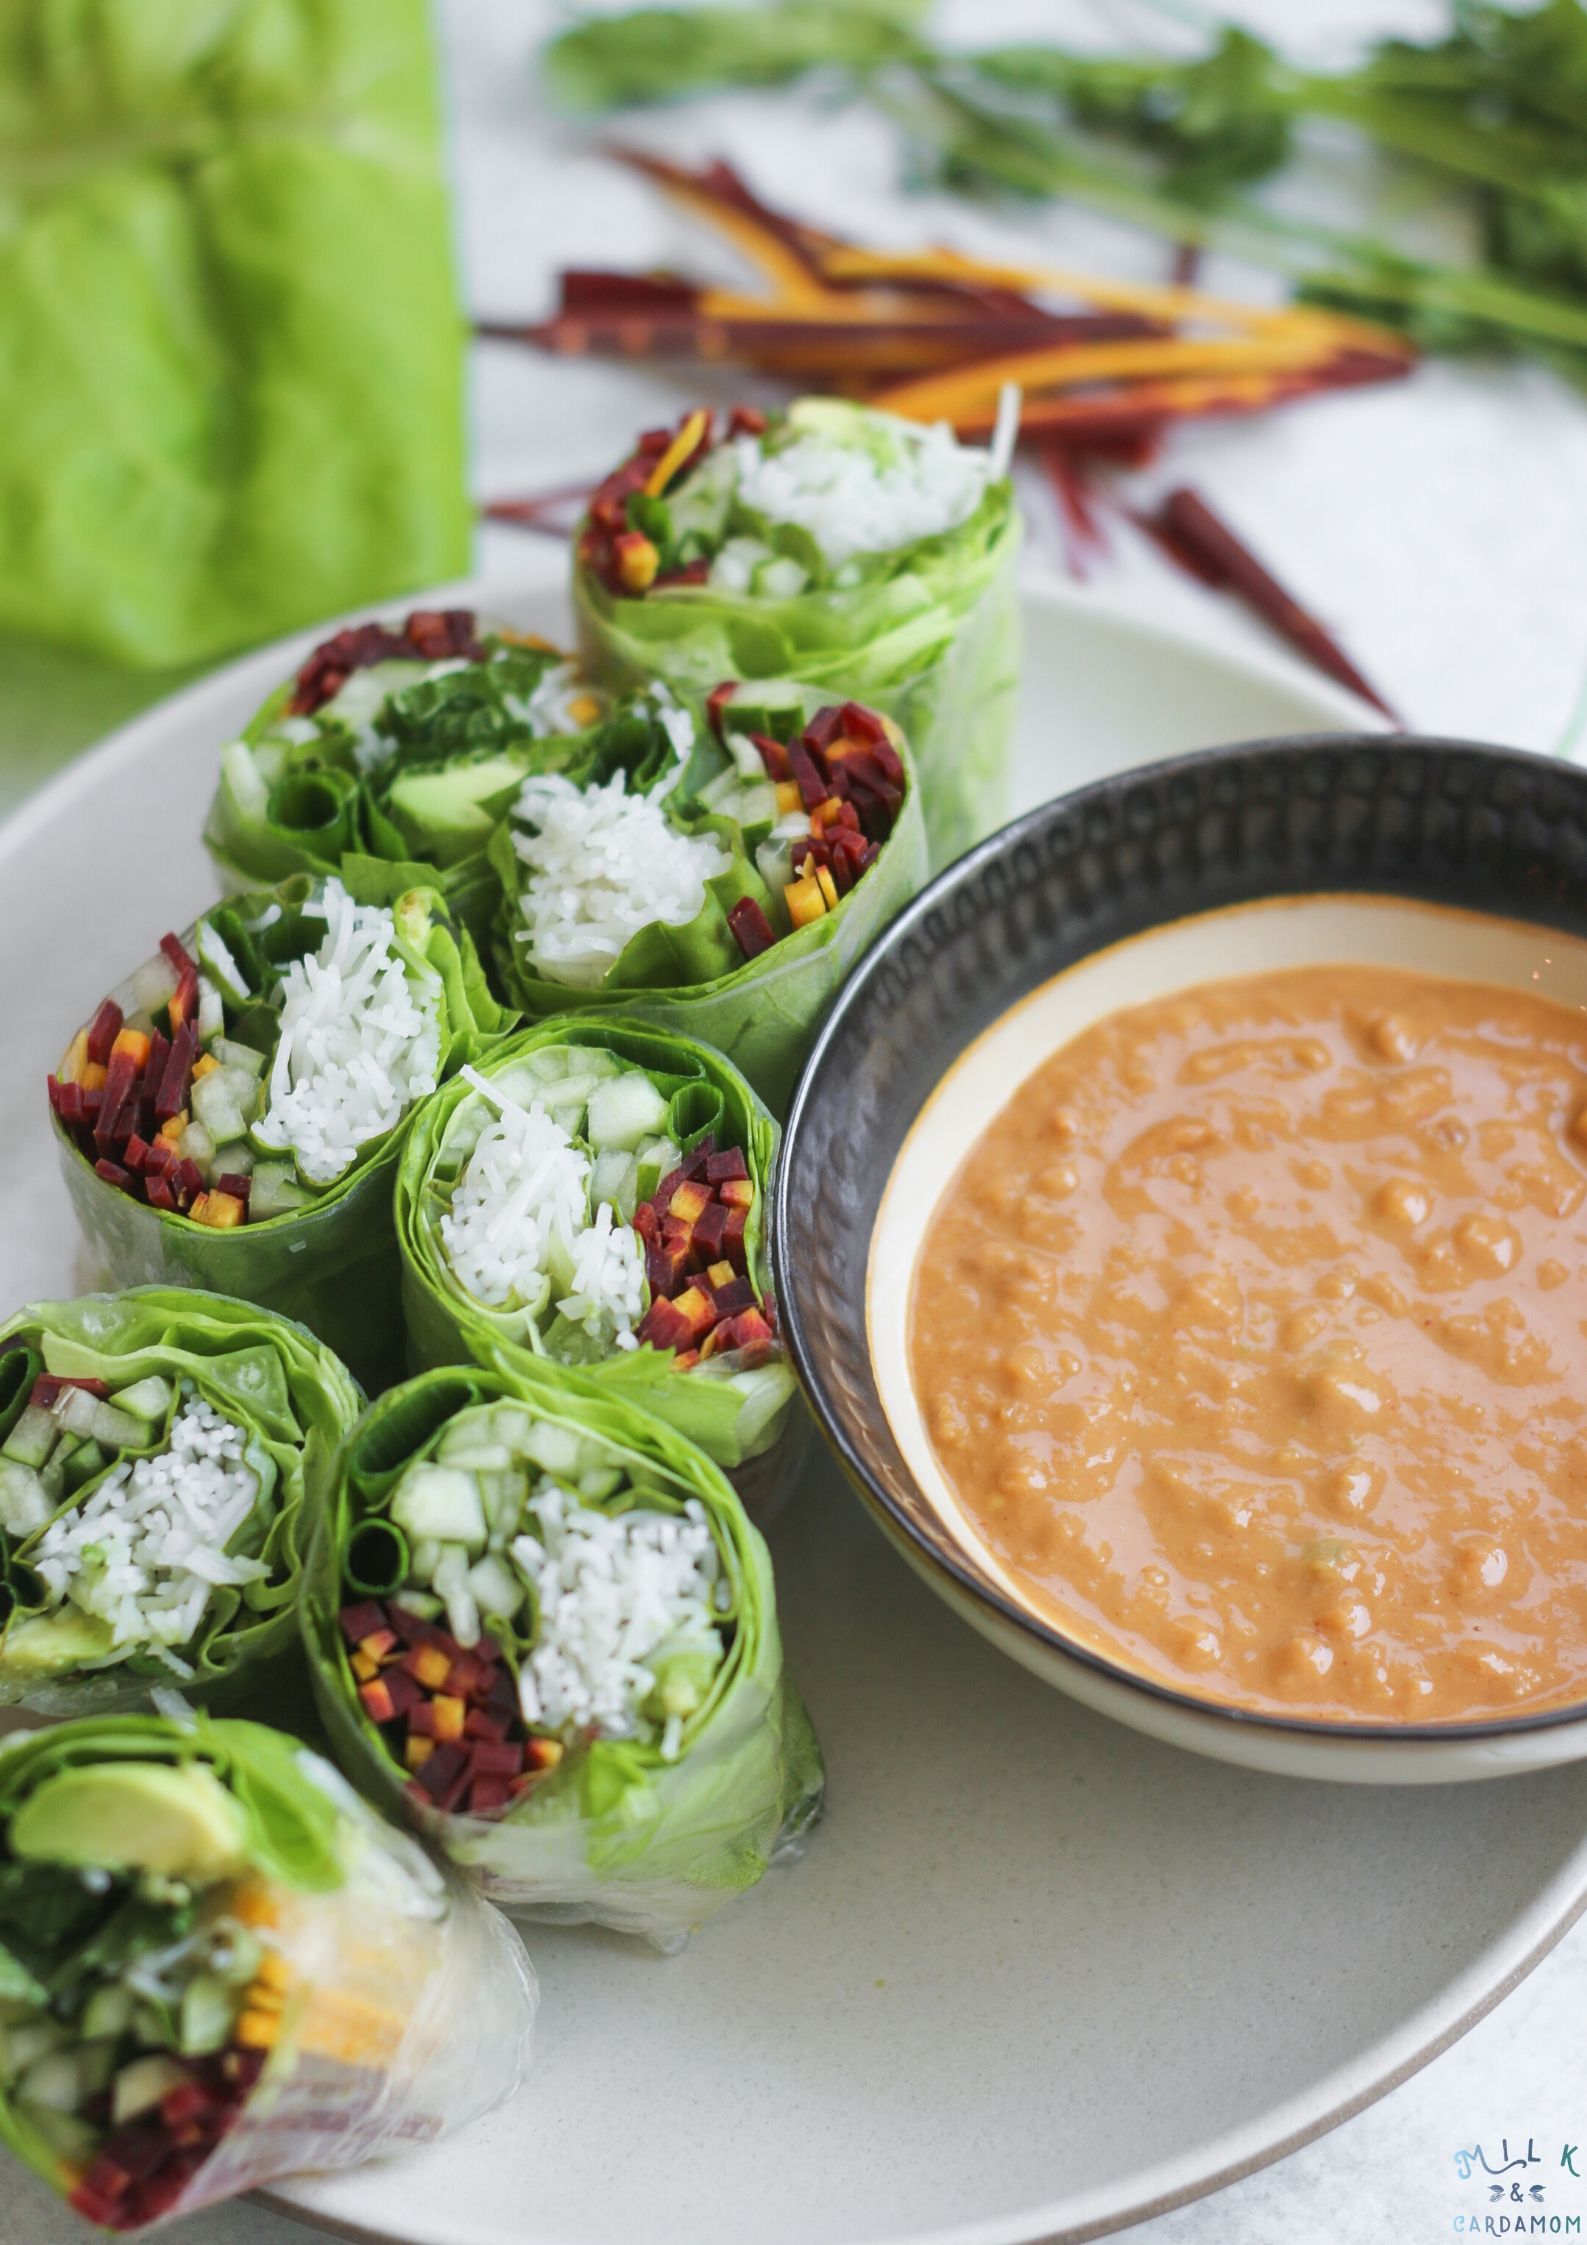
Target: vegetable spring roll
(231, 1117)
(595, 1193)
(218, 1967)
(713, 870)
(158, 1451)
(541, 1621)
(868, 555)
(400, 745)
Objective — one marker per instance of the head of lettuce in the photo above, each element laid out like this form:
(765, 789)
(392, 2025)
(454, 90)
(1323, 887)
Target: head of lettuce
(867, 555)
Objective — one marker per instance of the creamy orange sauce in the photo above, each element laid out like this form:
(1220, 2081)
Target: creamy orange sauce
(1252, 1335)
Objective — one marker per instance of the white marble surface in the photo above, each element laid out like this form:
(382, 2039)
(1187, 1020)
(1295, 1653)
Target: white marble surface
(1437, 524)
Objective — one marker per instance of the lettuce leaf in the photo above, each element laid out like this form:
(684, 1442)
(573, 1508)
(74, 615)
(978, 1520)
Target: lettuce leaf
(233, 390)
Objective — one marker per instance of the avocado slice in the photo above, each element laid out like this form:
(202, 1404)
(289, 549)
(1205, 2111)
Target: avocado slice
(43, 1644)
(178, 1820)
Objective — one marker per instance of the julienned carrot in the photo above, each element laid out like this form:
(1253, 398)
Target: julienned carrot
(1145, 407)
(950, 395)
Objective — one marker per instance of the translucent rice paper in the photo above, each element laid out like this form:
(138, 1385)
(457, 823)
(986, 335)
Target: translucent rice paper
(270, 1377)
(930, 636)
(762, 1013)
(332, 1265)
(410, 2004)
(461, 741)
(447, 1326)
(614, 1836)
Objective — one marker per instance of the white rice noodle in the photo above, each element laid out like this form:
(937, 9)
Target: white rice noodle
(601, 864)
(146, 1549)
(359, 1042)
(862, 499)
(524, 1199)
(614, 1594)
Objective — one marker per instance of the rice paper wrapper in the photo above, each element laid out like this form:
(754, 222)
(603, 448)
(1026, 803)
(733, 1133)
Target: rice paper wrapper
(275, 1381)
(409, 2005)
(932, 639)
(614, 1836)
(761, 1014)
(740, 1421)
(332, 1265)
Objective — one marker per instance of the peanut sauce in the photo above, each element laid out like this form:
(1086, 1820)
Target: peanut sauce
(1252, 1335)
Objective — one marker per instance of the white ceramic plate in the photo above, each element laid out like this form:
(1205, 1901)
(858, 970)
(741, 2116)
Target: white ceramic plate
(1036, 1976)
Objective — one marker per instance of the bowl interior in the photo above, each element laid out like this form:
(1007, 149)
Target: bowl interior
(1268, 855)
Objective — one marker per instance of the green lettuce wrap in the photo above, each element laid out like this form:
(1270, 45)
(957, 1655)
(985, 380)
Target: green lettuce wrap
(160, 1452)
(713, 870)
(867, 555)
(231, 1117)
(398, 744)
(218, 1967)
(540, 1622)
(595, 1193)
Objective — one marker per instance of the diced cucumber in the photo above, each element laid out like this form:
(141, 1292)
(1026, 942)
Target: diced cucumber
(734, 568)
(143, 2085)
(505, 1495)
(420, 1602)
(33, 1437)
(496, 1590)
(235, 1159)
(52, 2084)
(208, 2008)
(555, 1450)
(196, 1145)
(548, 1062)
(440, 1501)
(241, 774)
(275, 1191)
(624, 1112)
(148, 1399)
(465, 1449)
(781, 579)
(612, 1180)
(765, 1391)
(220, 1102)
(24, 2046)
(451, 1582)
(237, 1056)
(217, 962)
(154, 984)
(774, 706)
(426, 1557)
(82, 1413)
(211, 1011)
(25, 1505)
(107, 2013)
(86, 1459)
(600, 1481)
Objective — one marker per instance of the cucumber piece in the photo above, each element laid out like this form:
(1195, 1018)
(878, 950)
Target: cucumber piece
(86, 1459)
(555, 1450)
(53, 2084)
(504, 1494)
(420, 1602)
(217, 963)
(495, 1589)
(25, 1504)
(549, 1062)
(149, 1399)
(138, 2088)
(82, 1413)
(734, 568)
(275, 1191)
(624, 1111)
(237, 1056)
(219, 1101)
(600, 1481)
(440, 1501)
(235, 1159)
(26, 2045)
(208, 2009)
(451, 1582)
(33, 1437)
(612, 1181)
(770, 705)
(107, 2013)
(781, 579)
(196, 1145)
(211, 1011)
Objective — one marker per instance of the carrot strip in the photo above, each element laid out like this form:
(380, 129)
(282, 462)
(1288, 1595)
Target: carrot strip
(1068, 365)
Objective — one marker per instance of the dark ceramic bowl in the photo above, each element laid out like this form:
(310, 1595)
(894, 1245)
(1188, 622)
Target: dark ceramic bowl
(1335, 845)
